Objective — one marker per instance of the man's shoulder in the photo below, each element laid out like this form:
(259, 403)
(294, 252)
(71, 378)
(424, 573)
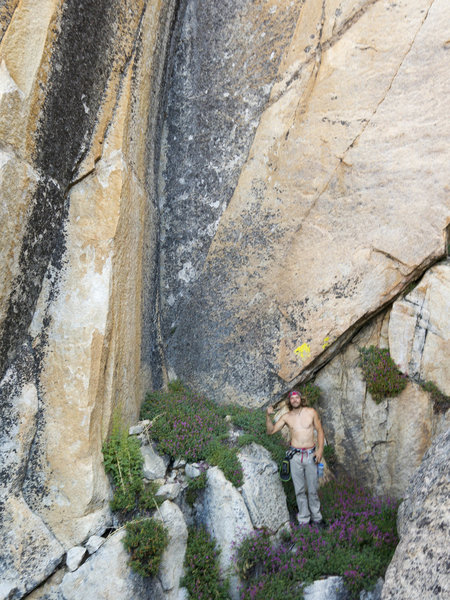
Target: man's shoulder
(312, 412)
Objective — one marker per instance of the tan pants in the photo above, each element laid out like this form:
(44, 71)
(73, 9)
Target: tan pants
(304, 478)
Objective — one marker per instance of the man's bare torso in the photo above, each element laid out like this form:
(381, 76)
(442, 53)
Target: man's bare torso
(301, 427)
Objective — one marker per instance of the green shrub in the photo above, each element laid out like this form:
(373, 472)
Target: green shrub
(251, 552)
(358, 546)
(146, 541)
(382, 376)
(274, 587)
(148, 500)
(202, 573)
(218, 454)
(123, 461)
(183, 423)
(194, 486)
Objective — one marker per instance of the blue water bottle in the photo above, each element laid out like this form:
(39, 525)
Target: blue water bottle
(319, 470)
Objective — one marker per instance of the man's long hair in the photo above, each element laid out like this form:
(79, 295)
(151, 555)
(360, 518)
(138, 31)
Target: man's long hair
(303, 401)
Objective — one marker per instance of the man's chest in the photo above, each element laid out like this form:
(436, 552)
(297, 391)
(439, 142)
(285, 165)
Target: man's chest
(301, 421)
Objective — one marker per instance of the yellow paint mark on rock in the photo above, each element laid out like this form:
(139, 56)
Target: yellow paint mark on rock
(304, 350)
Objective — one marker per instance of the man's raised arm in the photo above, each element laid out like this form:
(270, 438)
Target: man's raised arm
(270, 427)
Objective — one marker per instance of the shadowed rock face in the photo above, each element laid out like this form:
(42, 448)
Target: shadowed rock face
(225, 61)
(419, 568)
(337, 205)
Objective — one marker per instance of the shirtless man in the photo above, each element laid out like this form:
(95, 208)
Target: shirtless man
(301, 422)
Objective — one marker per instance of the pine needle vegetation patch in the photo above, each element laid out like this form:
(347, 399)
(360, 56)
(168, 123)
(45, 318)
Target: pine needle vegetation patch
(383, 378)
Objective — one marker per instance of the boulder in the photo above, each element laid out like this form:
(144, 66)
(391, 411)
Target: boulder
(419, 568)
(155, 466)
(179, 463)
(106, 575)
(172, 561)
(262, 489)
(419, 329)
(374, 594)
(226, 517)
(94, 543)
(192, 470)
(331, 588)
(169, 491)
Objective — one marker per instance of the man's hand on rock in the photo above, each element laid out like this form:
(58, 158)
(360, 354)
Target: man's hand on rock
(270, 410)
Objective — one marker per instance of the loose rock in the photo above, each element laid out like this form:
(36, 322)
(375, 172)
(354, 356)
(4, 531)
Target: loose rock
(154, 466)
(74, 557)
(94, 543)
(117, 581)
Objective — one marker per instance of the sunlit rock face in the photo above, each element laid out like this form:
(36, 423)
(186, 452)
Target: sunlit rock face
(80, 89)
(419, 329)
(339, 202)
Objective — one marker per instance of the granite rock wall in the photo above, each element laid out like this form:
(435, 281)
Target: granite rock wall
(81, 85)
(236, 231)
(332, 206)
